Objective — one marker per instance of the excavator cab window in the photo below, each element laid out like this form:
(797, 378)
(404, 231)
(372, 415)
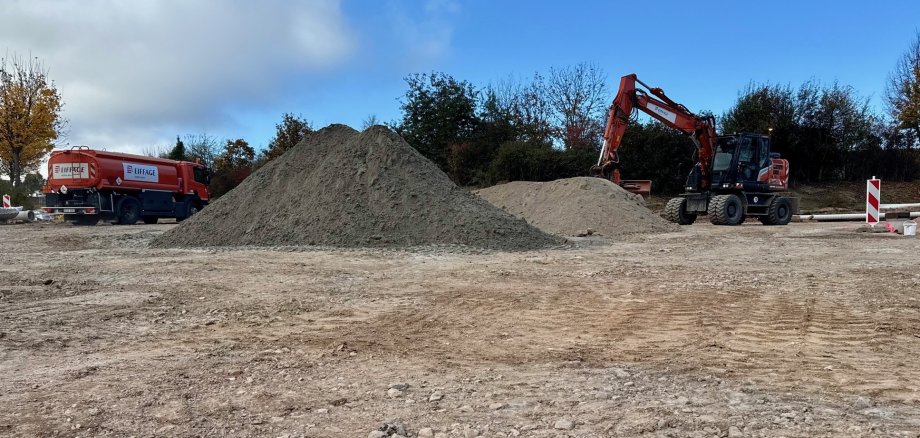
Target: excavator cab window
(723, 159)
(722, 162)
(747, 158)
(747, 150)
(763, 152)
(725, 151)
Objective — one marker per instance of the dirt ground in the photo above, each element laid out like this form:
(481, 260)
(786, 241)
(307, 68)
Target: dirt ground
(804, 330)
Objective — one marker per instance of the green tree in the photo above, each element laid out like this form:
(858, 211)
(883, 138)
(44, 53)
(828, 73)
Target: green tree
(18, 195)
(233, 165)
(292, 130)
(469, 160)
(766, 108)
(656, 152)
(30, 116)
(178, 151)
(235, 154)
(530, 161)
(438, 112)
(32, 183)
(833, 122)
(817, 127)
(902, 92)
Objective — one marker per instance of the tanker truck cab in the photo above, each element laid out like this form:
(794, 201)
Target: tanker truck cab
(87, 185)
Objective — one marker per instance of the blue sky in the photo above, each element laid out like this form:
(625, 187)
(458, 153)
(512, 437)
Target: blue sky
(701, 53)
(135, 76)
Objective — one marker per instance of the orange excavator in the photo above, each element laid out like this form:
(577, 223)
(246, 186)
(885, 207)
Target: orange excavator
(735, 176)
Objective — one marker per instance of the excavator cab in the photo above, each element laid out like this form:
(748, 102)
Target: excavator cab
(738, 161)
(744, 161)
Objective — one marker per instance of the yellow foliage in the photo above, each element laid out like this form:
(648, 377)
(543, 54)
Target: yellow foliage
(30, 117)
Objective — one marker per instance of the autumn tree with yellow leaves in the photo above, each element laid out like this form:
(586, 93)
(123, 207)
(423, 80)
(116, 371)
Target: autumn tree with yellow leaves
(30, 116)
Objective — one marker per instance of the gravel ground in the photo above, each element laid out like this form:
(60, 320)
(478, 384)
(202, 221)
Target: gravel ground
(804, 330)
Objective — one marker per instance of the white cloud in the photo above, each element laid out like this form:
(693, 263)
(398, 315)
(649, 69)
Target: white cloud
(132, 71)
(428, 33)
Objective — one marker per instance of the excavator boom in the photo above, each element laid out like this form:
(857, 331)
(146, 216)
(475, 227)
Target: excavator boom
(659, 106)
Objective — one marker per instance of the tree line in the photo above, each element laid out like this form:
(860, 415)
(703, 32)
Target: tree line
(552, 127)
(540, 128)
(232, 160)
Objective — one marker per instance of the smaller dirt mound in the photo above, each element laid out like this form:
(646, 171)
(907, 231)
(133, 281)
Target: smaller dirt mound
(572, 206)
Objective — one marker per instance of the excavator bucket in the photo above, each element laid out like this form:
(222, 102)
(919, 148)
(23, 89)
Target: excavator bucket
(638, 186)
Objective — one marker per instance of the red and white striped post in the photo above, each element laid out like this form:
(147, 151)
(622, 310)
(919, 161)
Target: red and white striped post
(873, 194)
(6, 201)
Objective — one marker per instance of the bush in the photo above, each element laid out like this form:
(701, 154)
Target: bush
(221, 183)
(655, 152)
(19, 196)
(524, 161)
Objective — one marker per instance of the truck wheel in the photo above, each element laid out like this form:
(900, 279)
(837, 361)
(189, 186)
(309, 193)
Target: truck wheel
(779, 213)
(676, 211)
(191, 208)
(725, 210)
(129, 211)
(150, 220)
(86, 220)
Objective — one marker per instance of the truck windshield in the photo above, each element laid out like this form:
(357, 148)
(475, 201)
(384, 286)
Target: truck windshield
(201, 175)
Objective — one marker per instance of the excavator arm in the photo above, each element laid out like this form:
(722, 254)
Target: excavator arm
(655, 103)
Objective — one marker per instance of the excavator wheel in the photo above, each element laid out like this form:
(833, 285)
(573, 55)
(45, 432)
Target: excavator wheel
(676, 211)
(779, 213)
(725, 210)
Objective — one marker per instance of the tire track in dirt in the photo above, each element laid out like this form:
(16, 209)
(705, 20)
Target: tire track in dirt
(768, 337)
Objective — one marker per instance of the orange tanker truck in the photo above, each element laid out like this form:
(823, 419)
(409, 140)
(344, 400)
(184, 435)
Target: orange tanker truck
(88, 185)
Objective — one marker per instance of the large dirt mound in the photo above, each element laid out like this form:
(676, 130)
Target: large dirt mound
(340, 187)
(574, 205)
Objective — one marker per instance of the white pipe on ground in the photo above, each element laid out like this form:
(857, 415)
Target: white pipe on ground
(25, 215)
(890, 206)
(842, 217)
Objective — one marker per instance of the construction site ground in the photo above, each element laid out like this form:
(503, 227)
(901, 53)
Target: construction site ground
(804, 330)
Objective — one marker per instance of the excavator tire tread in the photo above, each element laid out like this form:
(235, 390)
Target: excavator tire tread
(676, 211)
(718, 210)
(775, 214)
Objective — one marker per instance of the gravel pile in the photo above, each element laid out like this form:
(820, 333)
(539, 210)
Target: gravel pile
(341, 187)
(577, 206)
